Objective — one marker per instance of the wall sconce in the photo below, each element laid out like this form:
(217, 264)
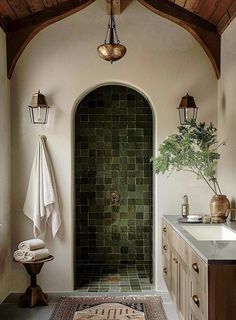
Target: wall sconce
(187, 109)
(39, 109)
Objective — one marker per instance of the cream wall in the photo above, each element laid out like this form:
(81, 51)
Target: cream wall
(227, 111)
(5, 168)
(163, 61)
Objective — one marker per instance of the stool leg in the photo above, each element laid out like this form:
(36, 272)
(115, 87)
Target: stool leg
(33, 280)
(33, 295)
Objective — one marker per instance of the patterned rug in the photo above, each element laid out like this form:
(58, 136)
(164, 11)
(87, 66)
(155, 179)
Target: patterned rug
(109, 308)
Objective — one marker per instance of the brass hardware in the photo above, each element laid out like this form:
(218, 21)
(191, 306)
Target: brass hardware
(114, 197)
(196, 300)
(164, 247)
(165, 270)
(175, 260)
(164, 229)
(195, 267)
(111, 50)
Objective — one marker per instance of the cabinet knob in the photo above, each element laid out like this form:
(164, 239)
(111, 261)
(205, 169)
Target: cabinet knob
(175, 260)
(165, 270)
(164, 229)
(195, 267)
(165, 247)
(196, 300)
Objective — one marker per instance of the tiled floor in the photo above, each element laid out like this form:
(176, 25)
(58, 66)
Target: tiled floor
(10, 309)
(122, 278)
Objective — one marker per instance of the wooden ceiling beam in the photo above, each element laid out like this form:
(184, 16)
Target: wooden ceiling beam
(3, 24)
(21, 31)
(49, 3)
(35, 6)
(20, 8)
(6, 11)
(229, 15)
(203, 31)
(118, 6)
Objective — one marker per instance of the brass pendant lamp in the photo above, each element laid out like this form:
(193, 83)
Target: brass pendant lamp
(111, 50)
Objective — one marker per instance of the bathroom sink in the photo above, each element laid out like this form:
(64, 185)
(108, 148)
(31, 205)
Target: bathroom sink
(211, 232)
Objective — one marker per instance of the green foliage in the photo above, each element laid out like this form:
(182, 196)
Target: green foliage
(193, 148)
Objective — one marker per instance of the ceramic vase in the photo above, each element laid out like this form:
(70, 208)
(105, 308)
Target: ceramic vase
(219, 208)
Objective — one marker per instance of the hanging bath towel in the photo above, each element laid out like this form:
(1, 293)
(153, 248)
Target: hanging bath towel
(41, 202)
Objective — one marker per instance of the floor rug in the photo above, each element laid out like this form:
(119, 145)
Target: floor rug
(107, 308)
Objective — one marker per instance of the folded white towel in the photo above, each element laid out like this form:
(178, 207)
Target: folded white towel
(19, 255)
(36, 255)
(30, 245)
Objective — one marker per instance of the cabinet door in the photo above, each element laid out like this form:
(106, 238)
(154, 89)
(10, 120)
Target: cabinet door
(174, 276)
(166, 272)
(192, 316)
(182, 290)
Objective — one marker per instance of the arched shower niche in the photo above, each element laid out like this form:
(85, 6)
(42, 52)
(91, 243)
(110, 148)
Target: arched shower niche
(113, 191)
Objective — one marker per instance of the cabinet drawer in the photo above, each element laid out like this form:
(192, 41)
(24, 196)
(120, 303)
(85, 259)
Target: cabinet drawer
(197, 269)
(197, 301)
(180, 245)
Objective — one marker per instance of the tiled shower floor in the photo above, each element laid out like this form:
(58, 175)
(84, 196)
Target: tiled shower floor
(122, 278)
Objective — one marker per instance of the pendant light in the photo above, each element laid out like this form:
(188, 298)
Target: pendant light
(111, 50)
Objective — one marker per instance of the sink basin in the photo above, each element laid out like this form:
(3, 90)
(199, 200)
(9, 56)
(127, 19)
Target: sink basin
(211, 232)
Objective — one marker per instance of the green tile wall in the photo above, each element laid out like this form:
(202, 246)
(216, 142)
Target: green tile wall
(113, 146)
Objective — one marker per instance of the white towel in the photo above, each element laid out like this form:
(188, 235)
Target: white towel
(19, 255)
(36, 255)
(41, 203)
(33, 244)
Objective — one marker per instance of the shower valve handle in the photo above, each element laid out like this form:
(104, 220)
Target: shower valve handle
(114, 197)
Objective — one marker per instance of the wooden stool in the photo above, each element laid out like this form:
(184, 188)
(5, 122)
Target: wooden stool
(34, 295)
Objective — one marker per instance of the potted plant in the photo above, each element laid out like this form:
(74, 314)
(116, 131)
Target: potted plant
(195, 149)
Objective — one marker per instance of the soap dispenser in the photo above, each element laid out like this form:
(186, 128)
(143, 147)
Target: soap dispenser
(185, 206)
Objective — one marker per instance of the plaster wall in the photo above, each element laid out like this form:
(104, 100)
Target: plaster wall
(227, 112)
(163, 61)
(5, 175)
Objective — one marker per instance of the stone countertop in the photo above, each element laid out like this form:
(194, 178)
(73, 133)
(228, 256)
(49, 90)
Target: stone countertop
(210, 251)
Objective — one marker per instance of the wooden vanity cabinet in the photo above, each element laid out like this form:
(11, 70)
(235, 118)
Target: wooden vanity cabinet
(175, 269)
(185, 275)
(199, 290)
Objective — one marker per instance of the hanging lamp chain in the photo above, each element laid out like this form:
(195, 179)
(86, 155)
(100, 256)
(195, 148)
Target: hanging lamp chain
(111, 34)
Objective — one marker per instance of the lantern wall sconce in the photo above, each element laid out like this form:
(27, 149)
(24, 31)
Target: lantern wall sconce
(39, 109)
(187, 109)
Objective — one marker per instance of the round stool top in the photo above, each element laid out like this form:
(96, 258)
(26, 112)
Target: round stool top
(37, 261)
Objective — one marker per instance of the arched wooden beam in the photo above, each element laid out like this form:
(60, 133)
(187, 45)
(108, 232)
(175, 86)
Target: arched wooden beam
(20, 32)
(203, 31)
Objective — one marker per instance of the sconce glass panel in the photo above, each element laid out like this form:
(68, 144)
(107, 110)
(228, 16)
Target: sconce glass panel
(187, 114)
(39, 115)
(39, 109)
(187, 109)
